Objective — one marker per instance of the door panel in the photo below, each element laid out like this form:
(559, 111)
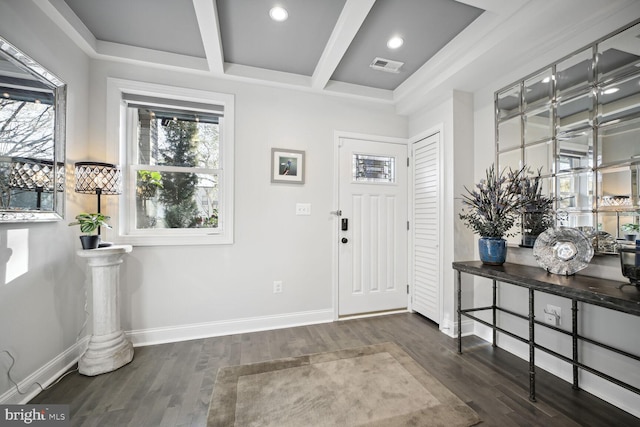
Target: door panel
(426, 229)
(373, 198)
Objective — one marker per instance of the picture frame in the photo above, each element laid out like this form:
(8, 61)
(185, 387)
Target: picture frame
(287, 166)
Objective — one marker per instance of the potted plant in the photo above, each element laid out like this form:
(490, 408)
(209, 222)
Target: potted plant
(537, 210)
(89, 223)
(630, 231)
(491, 210)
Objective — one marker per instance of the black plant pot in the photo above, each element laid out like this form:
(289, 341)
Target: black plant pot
(90, 242)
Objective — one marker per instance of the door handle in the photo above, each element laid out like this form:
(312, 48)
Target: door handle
(344, 240)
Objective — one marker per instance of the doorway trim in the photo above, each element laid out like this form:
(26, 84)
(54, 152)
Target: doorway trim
(337, 136)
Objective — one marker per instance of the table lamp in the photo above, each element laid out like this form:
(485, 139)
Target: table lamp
(99, 179)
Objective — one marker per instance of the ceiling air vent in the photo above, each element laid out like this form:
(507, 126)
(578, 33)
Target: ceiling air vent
(387, 65)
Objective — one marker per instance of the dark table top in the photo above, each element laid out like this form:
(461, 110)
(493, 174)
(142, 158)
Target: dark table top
(593, 290)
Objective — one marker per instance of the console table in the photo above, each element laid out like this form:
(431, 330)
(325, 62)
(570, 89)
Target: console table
(109, 348)
(583, 289)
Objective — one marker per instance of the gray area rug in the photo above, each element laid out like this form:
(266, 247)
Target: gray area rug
(377, 385)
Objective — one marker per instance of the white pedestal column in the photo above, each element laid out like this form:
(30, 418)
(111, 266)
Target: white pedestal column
(109, 348)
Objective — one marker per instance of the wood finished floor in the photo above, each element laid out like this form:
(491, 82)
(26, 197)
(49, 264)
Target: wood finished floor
(171, 384)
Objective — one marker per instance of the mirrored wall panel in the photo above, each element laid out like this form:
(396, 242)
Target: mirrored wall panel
(574, 74)
(579, 125)
(538, 90)
(541, 155)
(538, 125)
(510, 133)
(508, 102)
(510, 159)
(574, 151)
(619, 142)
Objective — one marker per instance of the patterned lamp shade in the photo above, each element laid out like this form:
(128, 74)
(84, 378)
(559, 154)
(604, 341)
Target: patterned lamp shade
(36, 175)
(94, 177)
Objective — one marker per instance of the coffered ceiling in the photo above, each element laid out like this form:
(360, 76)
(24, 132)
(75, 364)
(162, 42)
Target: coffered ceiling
(326, 46)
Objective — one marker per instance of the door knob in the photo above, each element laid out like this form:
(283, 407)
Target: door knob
(345, 240)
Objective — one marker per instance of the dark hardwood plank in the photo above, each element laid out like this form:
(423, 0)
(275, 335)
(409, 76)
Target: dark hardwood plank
(171, 384)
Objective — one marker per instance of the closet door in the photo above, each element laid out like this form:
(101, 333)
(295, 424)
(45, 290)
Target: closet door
(426, 228)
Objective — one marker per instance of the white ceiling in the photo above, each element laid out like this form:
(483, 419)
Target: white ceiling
(324, 45)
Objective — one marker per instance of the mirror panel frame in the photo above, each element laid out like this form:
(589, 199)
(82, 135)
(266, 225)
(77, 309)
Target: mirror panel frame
(59, 90)
(595, 108)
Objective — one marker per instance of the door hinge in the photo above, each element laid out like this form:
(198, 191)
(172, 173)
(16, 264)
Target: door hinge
(407, 289)
(407, 225)
(407, 162)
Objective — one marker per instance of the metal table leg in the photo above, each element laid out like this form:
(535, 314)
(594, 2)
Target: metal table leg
(532, 360)
(574, 333)
(493, 309)
(459, 313)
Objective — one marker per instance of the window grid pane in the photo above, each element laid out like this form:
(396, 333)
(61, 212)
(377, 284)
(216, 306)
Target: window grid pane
(177, 172)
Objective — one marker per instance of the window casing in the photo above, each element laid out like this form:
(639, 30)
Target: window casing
(175, 147)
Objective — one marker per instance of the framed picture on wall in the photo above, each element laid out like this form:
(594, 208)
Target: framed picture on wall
(287, 166)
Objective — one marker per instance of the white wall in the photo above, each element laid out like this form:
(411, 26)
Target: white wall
(41, 281)
(184, 292)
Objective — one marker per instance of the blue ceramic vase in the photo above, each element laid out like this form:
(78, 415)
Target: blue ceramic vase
(493, 250)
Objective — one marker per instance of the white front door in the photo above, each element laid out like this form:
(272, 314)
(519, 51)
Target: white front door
(372, 227)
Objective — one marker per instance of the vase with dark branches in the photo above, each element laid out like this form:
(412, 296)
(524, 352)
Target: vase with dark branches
(493, 209)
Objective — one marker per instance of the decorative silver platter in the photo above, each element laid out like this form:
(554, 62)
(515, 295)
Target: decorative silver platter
(563, 250)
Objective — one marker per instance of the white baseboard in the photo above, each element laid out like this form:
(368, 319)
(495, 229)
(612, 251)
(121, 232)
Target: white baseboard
(46, 375)
(376, 314)
(451, 328)
(144, 337)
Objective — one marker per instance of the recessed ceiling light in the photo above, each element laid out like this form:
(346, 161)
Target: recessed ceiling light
(546, 80)
(611, 90)
(278, 14)
(395, 42)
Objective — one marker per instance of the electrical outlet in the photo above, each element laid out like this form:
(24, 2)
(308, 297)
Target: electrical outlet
(550, 319)
(277, 286)
(303, 208)
(552, 315)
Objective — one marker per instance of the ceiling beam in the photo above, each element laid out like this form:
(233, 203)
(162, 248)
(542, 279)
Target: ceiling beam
(62, 15)
(140, 55)
(495, 6)
(207, 16)
(349, 22)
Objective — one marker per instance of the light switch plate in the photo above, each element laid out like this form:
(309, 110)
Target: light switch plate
(303, 208)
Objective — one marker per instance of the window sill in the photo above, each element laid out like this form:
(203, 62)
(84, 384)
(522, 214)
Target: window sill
(193, 240)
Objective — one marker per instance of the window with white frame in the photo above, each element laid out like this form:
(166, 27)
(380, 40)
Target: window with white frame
(177, 156)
